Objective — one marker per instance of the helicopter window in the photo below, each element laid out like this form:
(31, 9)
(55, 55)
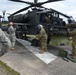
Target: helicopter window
(69, 21)
(55, 14)
(47, 18)
(44, 18)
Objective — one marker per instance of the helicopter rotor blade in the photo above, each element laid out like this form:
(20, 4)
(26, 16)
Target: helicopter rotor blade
(22, 1)
(41, 3)
(54, 0)
(20, 11)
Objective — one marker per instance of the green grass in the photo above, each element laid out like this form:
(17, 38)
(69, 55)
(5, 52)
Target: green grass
(7, 70)
(57, 40)
(4, 24)
(31, 36)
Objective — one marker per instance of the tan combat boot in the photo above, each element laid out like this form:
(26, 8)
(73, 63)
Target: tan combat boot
(41, 52)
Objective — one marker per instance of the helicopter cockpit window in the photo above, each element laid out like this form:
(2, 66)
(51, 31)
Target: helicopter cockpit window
(55, 14)
(71, 20)
(45, 18)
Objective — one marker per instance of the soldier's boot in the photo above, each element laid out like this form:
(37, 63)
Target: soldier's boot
(73, 56)
(41, 52)
(73, 53)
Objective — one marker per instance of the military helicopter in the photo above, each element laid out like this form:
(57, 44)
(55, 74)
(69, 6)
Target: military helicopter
(27, 23)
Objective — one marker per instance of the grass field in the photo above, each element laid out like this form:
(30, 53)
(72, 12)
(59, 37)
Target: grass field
(4, 24)
(57, 40)
(7, 70)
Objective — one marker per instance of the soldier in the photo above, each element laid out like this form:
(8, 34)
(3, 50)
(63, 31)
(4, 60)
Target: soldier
(47, 19)
(73, 34)
(12, 36)
(5, 41)
(42, 37)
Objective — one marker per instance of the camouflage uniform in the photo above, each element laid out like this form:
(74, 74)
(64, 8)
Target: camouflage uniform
(47, 19)
(12, 35)
(42, 36)
(73, 33)
(5, 41)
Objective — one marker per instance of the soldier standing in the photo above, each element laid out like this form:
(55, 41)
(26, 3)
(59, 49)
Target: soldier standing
(12, 34)
(73, 34)
(42, 37)
(5, 42)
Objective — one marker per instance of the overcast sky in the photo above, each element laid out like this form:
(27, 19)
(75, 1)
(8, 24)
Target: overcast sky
(67, 6)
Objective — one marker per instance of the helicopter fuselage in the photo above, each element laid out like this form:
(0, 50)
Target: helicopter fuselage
(28, 23)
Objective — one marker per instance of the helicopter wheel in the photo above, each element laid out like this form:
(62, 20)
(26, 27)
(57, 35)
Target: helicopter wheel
(19, 34)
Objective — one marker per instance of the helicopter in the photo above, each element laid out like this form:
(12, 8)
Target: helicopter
(28, 22)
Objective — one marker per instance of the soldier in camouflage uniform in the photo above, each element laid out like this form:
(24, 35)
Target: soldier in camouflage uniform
(12, 34)
(73, 34)
(42, 37)
(47, 19)
(5, 42)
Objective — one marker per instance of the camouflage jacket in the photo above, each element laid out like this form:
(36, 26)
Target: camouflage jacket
(73, 34)
(11, 31)
(42, 34)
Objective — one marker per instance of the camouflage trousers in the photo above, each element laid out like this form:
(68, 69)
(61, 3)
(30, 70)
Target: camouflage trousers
(74, 48)
(43, 44)
(13, 40)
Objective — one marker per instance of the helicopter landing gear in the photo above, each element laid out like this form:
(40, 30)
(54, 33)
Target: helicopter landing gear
(21, 35)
